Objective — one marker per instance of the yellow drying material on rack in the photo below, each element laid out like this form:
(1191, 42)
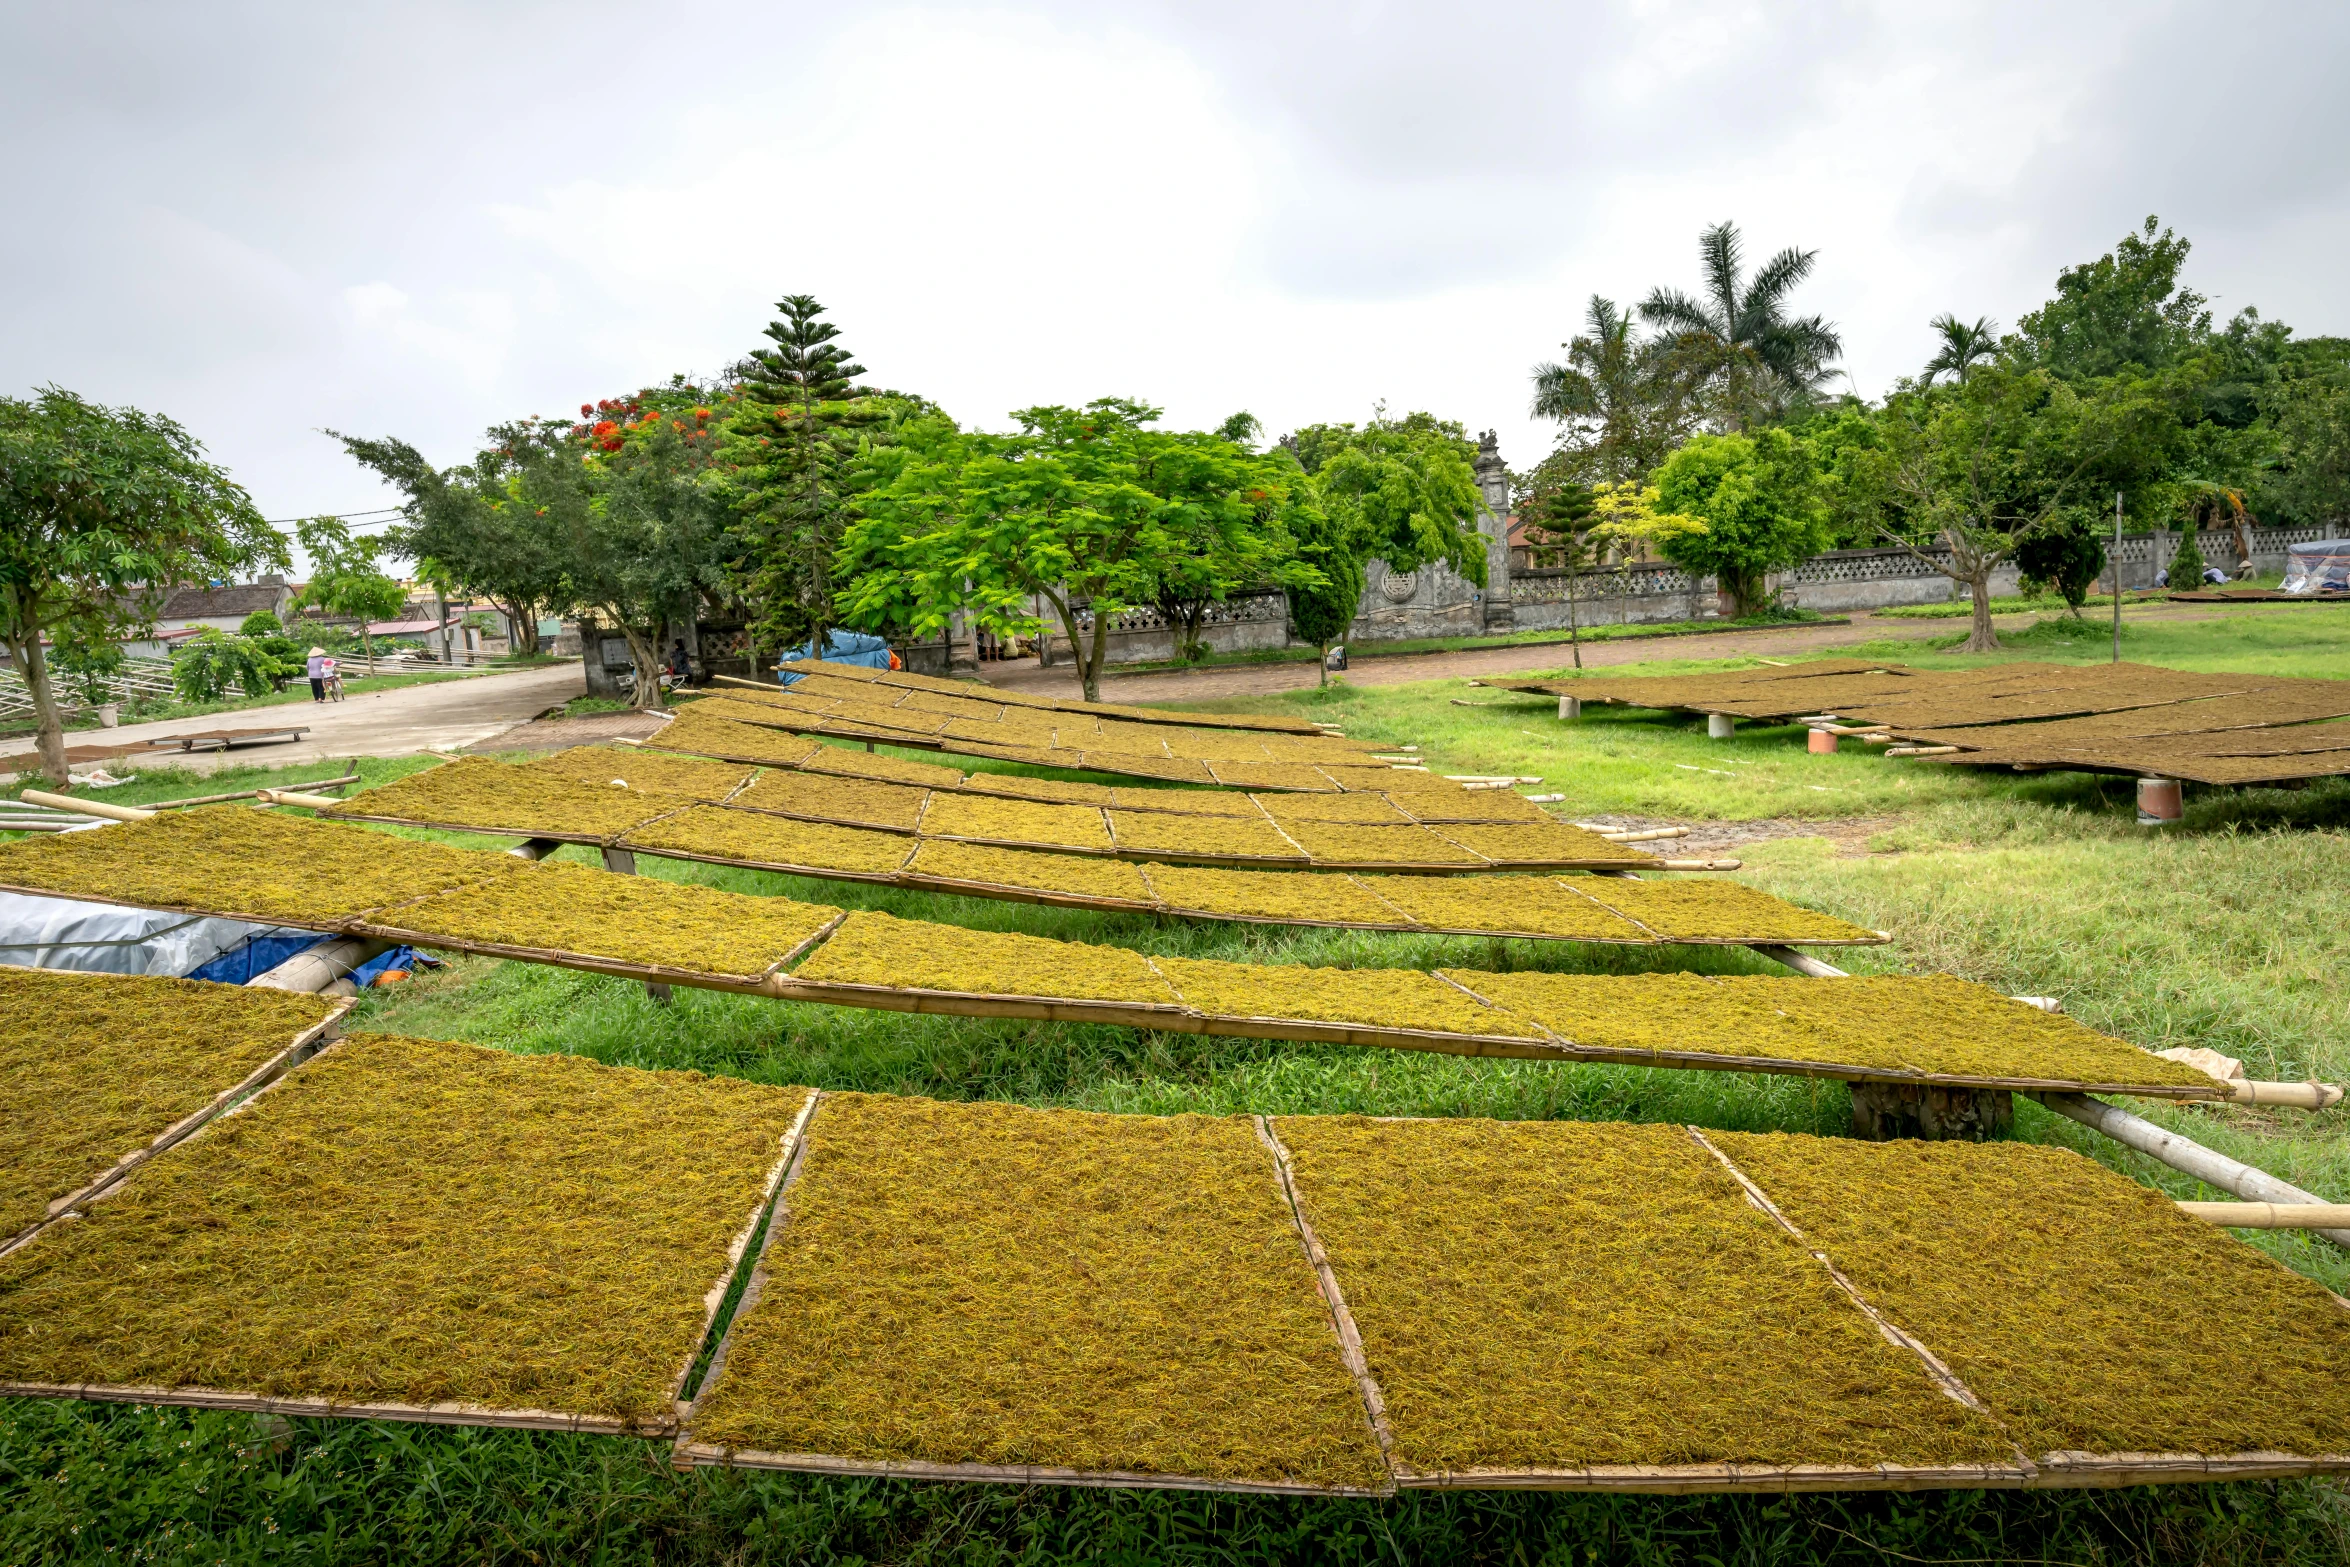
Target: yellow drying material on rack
(1549, 1295)
(1072, 875)
(1015, 821)
(1201, 837)
(1369, 998)
(408, 1221)
(2075, 1324)
(878, 949)
(252, 864)
(487, 796)
(1504, 905)
(100, 1065)
(1309, 897)
(990, 1284)
(845, 801)
(753, 838)
(625, 919)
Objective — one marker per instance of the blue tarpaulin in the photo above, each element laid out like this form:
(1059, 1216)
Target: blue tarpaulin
(842, 647)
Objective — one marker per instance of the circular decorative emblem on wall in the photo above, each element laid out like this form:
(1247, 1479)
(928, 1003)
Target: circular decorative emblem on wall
(1398, 586)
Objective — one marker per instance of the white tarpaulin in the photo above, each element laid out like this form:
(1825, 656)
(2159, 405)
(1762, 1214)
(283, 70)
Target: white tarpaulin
(102, 938)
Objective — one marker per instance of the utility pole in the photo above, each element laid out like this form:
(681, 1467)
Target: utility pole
(2117, 576)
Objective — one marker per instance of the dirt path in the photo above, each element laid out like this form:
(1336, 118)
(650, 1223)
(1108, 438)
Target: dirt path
(1202, 685)
(438, 716)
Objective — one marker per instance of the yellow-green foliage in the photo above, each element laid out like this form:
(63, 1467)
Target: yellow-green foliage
(475, 792)
(842, 762)
(752, 837)
(697, 733)
(1540, 843)
(1900, 1024)
(1187, 802)
(100, 1065)
(1368, 810)
(642, 769)
(1449, 802)
(1965, 1027)
(1712, 909)
(879, 949)
(1512, 905)
(254, 864)
(1342, 843)
(621, 919)
(1200, 837)
(989, 1284)
(1015, 821)
(1270, 775)
(1294, 895)
(413, 1222)
(1552, 1294)
(1371, 997)
(1079, 875)
(1012, 786)
(2105, 1322)
(849, 800)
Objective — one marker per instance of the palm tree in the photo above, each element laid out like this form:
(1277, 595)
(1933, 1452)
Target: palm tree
(1738, 340)
(1963, 347)
(1622, 409)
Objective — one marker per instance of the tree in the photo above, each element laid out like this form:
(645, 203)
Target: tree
(1403, 491)
(795, 454)
(88, 660)
(1737, 342)
(646, 521)
(1758, 497)
(1242, 429)
(1962, 347)
(2125, 311)
(1988, 466)
(1620, 406)
(345, 579)
(2311, 480)
(102, 512)
(1559, 535)
(261, 623)
(2066, 559)
(2186, 562)
(1320, 611)
(1079, 512)
(212, 661)
(475, 521)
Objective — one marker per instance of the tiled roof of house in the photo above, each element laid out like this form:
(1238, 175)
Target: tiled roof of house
(235, 598)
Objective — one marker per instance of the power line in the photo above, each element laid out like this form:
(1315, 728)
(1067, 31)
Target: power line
(387, 513)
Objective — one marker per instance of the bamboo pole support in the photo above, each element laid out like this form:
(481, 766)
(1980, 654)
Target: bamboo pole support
(2300, 1096)
(2270, 1215)
(622, 862)
(315, 802)
(1698, 865)
(112, 813)
(1922, 750)
(320, 969)
(2206, 1165)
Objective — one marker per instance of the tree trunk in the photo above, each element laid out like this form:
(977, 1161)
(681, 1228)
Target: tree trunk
(367, 644)
(1322, 662)
(1093, 663)
(1085, 674)
(1980, 637)
(51, 740)
(647, 657)
(525, 642)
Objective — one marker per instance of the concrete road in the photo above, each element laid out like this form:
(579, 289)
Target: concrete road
(441, 716)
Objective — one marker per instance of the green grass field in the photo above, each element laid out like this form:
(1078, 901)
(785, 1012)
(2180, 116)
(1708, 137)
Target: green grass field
(2232, 930)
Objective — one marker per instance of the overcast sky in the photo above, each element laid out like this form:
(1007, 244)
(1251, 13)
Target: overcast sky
(418, 219)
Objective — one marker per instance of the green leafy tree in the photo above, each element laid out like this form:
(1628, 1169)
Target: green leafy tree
(1759, 498)
(2310, 481)
(476, 522)
(798, 440)
(1963, 346)
(261, 623)
(2066, 559)
(648, 522)
(1985, 467)
(102, 512)
(346, 579)
(212, 663)
(1321, 610)
(1736, 342)
(89, 659)
(1403, 491)
(1075, 515)
(2125, 311)
(2186, 562)
(1621, 403)
(1561, 535)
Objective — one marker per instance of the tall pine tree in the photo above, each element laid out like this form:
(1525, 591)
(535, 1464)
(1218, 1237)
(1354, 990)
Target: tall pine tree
(796, 483)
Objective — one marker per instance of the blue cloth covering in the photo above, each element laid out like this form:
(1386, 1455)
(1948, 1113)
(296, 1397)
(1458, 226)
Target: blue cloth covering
(842, 647)
(257, 955)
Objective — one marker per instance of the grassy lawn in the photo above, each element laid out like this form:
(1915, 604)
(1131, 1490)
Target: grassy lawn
(2232, 930)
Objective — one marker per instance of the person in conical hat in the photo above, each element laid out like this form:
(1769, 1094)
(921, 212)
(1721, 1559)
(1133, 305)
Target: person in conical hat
(316, 669)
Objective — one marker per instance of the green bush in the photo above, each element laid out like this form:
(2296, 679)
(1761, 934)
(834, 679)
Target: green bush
(261, 623)
(213, 662)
